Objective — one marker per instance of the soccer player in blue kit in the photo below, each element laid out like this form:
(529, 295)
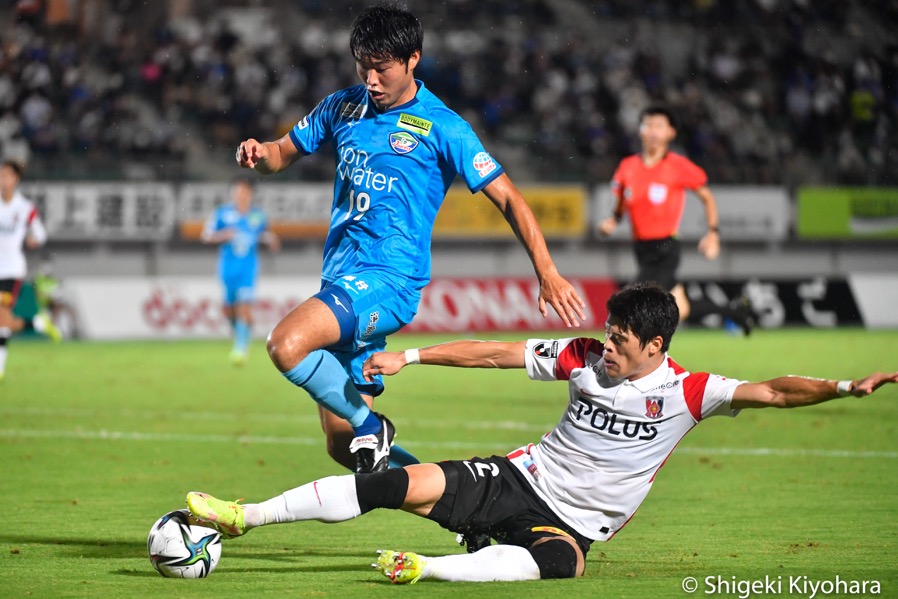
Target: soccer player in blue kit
(239, 227)
(397, 149)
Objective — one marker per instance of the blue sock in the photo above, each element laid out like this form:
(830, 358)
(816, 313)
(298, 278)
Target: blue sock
(400, 457)
(241, 335)
(371, 425)
(323, 377)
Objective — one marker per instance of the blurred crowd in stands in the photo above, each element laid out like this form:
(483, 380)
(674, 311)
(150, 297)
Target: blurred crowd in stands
(766, 91)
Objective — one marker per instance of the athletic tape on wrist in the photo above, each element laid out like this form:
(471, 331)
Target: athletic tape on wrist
(844, 388)
(412, 356)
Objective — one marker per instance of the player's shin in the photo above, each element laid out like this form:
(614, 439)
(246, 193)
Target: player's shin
(241, 335)
(331, 499)
(324, 378)
(493, 563)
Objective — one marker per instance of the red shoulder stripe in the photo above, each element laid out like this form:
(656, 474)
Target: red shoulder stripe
(676, 367)
(574, 356)
(694, 391)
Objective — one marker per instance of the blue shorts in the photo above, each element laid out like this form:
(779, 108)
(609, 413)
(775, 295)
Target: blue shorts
(368, 306)
(239, 287)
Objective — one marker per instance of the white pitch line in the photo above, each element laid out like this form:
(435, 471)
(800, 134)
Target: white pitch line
(302, 415)
(103, 435)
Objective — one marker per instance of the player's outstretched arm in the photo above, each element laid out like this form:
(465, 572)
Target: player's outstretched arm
(462, 354)
(796, 391)
(554, 289)
(269, 157)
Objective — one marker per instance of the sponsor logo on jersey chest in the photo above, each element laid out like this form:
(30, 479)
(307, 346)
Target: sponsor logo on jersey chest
(351, 110)
(402, 142)
(415, 124)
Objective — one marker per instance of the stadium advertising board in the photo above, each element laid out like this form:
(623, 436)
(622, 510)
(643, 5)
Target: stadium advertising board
(503, 304)
(816, 302)
(188, 307)
(746, 214)
(560, 210)
(174, 307)
(295, 210)
(847, 213)
(105, 211)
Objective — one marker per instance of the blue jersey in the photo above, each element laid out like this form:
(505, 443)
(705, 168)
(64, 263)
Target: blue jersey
(393, 171)
(239, 255)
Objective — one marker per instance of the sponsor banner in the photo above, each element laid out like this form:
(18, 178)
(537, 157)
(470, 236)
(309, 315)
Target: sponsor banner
(504, 304)
(847, 213)
(174, 307)
(559, 209)
(877, 296)
(746, 213)
(105, 211)
(295, 210)
(816, 302)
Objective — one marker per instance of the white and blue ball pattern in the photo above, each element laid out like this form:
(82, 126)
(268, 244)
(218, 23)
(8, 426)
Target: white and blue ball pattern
(181, 548)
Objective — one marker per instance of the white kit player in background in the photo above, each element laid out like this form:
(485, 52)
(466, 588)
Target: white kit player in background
(628, 405)
(20, 225)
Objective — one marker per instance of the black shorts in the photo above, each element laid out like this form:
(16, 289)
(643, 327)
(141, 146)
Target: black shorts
(9, 292)
(490, 495)
(658, 261)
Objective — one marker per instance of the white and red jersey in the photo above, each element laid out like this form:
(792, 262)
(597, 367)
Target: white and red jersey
(597, 465)
(18, 218)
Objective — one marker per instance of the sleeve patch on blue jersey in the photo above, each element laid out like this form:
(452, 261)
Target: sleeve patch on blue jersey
(484, 164)
(415, 124)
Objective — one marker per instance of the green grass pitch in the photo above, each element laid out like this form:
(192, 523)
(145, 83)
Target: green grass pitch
(99, 440)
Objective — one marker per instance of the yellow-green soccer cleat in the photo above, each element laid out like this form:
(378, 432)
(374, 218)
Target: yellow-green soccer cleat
(238, 358)
(401, 567)
(224, 516)
(44, 324)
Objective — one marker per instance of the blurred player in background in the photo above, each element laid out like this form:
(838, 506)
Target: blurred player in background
(651, 187)
(397, 148)
(628, 406)
(20, 225)
(237, 228)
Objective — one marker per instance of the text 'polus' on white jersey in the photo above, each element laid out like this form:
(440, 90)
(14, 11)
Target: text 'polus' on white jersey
(597, 465)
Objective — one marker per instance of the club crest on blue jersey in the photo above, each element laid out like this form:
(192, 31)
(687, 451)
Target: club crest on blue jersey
(653, 407)
(402, 142)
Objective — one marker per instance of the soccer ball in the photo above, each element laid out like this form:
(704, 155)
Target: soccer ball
(180, 547)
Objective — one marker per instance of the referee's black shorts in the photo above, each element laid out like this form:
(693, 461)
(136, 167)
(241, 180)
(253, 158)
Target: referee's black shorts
(490, 495)
(658, 261)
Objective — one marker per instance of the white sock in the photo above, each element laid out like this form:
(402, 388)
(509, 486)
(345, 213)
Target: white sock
(331, 499)
(2, 359)
(493, 563)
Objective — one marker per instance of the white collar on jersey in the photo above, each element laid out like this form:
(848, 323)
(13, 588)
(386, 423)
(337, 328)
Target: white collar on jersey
(653, 379)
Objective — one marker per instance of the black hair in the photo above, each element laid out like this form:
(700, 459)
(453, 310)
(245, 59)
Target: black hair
(15, 166)
(387, 31)
(658, 110)
(647, 310)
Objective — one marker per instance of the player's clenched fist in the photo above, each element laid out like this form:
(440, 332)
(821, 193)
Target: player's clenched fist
(251, 152)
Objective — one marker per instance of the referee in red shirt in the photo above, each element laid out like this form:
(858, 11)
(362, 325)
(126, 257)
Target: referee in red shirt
(651, 188)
